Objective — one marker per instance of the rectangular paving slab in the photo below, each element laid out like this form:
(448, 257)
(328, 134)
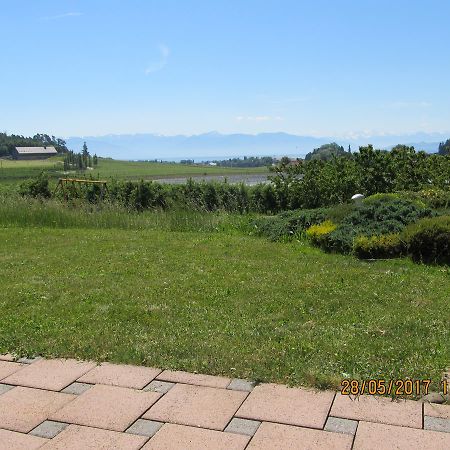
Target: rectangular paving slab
(8, 368)
(198, 406)
(120, 375)
(272, 436)
(50, 374)
(11, 440)
(179, 437)
(22, 408)
(293, 406)
(194, 378)
(377, 436)
(76, 437)
(110, 407)
(378, 409)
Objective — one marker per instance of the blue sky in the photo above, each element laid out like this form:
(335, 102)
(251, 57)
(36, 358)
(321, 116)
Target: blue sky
(323, 68)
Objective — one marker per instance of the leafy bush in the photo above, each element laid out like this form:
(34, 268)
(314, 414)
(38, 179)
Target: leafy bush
(431, 197)
(383, 246)
(318, 234)
(37, 187)
(428, 240)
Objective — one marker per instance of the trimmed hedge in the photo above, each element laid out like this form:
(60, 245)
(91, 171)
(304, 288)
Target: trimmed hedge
(429, 240)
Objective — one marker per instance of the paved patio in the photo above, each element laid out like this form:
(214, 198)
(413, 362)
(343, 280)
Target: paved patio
(68, 404)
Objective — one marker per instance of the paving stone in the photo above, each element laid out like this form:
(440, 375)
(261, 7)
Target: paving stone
(179, 437)
(377, 436)
(293, 406)
(29, 360)
(243, 426)
(76, 388)
(272, 436)
(378, 409)
(22, 408)
(120, 375)
(436, 424)
(338, 425)
(7, 357)
(145, 427)
(110, 407)
(159, 386)
(442, 411)
(198, 406)
(5, 388)
(241, 385)
(194, 378)
(76, 437)
(11, 440)
(8, 368)
(50, 374)
(48, 429)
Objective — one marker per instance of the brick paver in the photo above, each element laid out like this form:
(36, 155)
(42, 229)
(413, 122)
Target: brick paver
(293, 406)
(441, 411)
(69, 404)
(406, 413)
(194, 378)
(120, 375)
(51, 374)
(76, 437)
(110, 407)
(376, 436)
(197, 406)
(8, 368)
(271, 436)
(11, 440)
(179, 437)
(22, 408)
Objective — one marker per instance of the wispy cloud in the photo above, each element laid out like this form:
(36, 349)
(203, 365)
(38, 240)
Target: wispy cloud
(159, 65)
(405, 104)
(62, 16)
(258, 118)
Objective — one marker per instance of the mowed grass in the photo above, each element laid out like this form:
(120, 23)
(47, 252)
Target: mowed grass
(220, 303)
(16, 171)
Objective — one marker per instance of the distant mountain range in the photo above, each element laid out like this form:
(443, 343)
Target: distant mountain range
(215, 145)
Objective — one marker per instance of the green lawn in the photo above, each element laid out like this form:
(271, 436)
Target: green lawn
(16, 171)
(220, 303)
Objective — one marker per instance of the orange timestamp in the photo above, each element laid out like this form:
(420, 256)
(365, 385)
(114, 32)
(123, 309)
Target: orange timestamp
(388, 387)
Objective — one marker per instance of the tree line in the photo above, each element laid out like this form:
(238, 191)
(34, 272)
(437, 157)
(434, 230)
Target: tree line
(9, 142)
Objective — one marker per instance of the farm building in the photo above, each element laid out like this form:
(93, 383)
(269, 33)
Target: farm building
(33, 152)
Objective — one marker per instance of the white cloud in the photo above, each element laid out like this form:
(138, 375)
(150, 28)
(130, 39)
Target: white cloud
(159, 65)
(62, 16)
(258, 118)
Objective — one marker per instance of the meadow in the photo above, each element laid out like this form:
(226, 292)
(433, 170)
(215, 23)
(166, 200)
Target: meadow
(12, 172)
(197, 291)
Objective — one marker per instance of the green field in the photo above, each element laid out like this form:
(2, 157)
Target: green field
(215, 300)
(15, 171)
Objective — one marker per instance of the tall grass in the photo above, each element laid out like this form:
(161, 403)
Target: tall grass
(16, 211)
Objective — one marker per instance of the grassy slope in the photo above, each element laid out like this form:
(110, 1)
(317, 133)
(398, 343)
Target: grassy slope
(220, 304)
(14, 171)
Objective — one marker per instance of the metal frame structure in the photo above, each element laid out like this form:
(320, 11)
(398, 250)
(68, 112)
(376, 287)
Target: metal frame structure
(65, 183)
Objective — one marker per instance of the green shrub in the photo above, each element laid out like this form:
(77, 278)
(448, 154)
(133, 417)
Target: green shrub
(288, 223)
(428, 240)
(382, 215)
(318, 234)
(377, 198)
(37, 187)
(383, 246)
